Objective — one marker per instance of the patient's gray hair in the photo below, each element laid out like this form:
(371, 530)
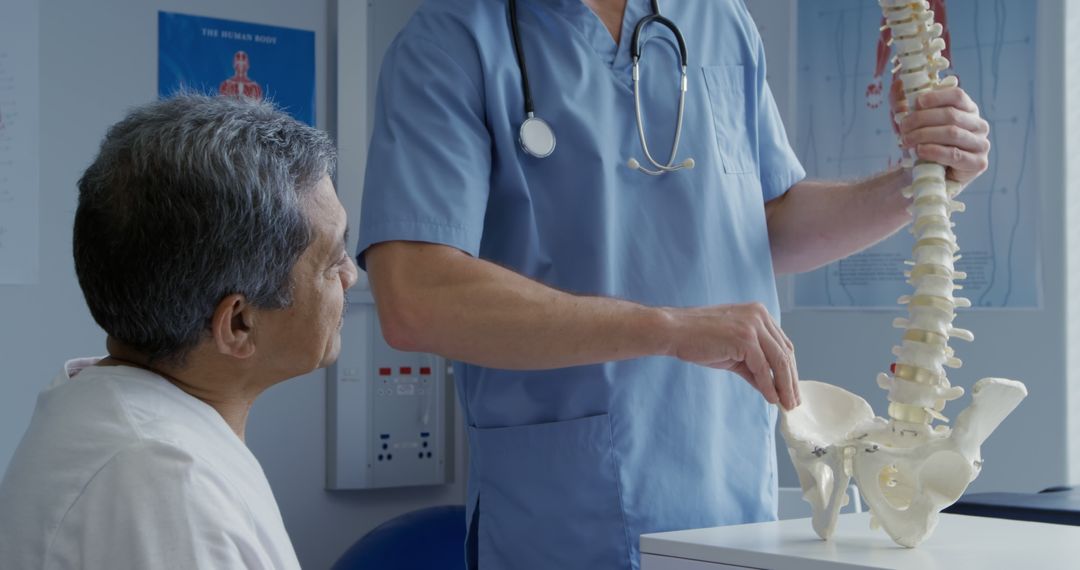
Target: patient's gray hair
(191, 199)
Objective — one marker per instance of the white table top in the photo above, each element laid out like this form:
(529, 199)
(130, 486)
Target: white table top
(958, 542)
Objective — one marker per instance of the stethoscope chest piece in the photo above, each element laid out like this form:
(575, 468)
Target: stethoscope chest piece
(536, 137)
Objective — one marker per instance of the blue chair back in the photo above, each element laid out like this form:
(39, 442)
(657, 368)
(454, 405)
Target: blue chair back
(427, 539)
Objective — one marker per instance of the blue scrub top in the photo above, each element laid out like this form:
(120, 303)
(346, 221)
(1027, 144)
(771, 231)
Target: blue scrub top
(569, 467)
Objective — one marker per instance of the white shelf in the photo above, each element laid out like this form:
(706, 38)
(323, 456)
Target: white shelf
(958, 542)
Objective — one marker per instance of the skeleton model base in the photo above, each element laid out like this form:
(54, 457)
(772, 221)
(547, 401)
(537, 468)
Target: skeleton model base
(907, 469)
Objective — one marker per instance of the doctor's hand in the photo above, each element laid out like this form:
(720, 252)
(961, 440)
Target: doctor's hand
(743, 339)
(945, 127)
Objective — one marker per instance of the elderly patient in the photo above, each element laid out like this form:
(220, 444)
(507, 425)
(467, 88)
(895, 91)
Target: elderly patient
(210, 246)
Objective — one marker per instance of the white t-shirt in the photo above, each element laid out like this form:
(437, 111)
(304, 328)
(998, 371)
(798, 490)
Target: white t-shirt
(121, 469)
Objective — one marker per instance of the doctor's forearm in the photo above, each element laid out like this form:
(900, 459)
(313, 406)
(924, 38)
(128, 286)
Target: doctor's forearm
(434, 298)
(437, 299)
(818, 222)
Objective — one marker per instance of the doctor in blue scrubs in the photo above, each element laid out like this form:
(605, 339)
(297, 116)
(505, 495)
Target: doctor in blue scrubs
(614, 321)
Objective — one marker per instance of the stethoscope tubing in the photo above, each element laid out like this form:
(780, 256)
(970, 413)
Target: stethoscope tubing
(520, 55)
(670, 166)
(536, 136)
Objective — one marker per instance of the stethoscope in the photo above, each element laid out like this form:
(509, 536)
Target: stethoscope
(538, 139)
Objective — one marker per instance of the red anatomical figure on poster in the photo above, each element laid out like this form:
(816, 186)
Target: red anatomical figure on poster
(240, 84)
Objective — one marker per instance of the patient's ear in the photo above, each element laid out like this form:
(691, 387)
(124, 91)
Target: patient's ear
(233, 326)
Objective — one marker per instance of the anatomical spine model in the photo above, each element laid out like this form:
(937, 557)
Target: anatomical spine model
(907, 469)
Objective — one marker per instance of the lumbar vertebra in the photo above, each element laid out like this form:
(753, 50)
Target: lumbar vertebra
(907, 469)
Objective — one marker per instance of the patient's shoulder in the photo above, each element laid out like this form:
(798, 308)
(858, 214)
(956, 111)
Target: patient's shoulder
(155, 499)
(130, 436)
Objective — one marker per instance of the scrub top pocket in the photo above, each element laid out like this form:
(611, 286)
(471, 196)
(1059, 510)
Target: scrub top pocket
(549, 497)
(727, 104)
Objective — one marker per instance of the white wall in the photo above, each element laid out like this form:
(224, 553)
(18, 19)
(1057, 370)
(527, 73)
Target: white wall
(1069, 155)
(98, 59)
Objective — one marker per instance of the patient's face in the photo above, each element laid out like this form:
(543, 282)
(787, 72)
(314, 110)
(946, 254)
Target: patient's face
(307, 335)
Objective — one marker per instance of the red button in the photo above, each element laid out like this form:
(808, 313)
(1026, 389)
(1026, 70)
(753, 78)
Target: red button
(892, 368)
(385, 371)
(424, 371)
(406, 370)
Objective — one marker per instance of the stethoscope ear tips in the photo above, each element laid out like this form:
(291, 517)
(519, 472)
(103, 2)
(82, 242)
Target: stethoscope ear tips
(635, 165)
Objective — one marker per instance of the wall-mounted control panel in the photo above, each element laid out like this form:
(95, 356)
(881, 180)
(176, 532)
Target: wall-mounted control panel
(390, 413)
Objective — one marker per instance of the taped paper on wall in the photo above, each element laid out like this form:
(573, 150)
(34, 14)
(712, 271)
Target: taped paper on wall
(19, 132)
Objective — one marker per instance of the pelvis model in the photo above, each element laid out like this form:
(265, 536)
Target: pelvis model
(907, 469)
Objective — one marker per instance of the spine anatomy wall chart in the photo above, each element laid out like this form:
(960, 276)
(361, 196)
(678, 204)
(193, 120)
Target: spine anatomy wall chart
(907, 468)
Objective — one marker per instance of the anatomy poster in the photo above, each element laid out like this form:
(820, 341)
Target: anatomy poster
(19, 142)
(239, 59)
(844, 131)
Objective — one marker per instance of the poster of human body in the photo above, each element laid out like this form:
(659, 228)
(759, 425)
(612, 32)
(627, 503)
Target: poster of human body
(240, 59)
